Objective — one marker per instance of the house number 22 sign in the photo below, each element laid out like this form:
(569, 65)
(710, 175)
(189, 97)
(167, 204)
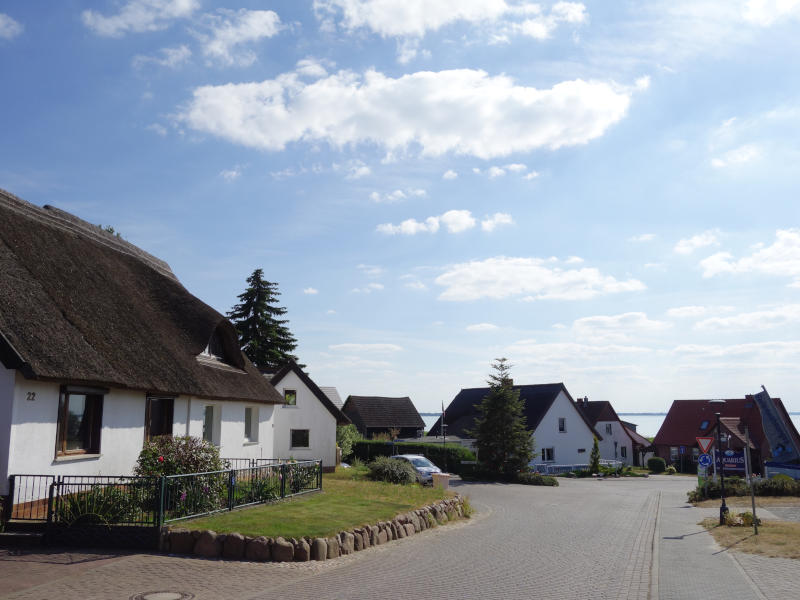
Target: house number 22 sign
(31, 396)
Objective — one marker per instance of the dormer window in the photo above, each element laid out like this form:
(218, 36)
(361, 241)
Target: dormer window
(704, 425)
(215, 349)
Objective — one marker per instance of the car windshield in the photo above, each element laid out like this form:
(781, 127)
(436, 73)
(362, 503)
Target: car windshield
(421, 462)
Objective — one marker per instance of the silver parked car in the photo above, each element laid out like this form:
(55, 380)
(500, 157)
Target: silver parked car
(424, 468)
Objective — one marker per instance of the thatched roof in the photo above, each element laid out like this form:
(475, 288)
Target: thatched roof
(79, 305)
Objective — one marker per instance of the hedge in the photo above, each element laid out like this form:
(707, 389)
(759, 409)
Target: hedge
(736, 486)
(447, 455)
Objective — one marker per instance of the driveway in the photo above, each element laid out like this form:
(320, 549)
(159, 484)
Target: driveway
(621, 538)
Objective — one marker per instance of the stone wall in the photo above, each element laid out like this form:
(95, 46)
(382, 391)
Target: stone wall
(235, 546)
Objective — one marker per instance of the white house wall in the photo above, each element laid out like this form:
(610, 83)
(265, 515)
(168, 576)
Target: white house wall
(229, 426)
(6, 412)
(566, 444)
(618, 436)
(309, 413)
(34, 427)
(33, 430)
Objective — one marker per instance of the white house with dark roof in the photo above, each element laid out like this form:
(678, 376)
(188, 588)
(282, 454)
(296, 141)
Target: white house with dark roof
(305, 424)
(561, 433)
(101, 347)
(617, 444)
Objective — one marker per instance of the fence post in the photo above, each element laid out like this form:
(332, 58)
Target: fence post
(8, 506)
(283, 480)
(51, 499)
(319, 475)
(162, 488)
(231, 488)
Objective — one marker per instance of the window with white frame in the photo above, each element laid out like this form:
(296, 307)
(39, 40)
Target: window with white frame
(548, 454)
(300, 438)
(211, 417)
(251, 424)
(673, 453)
(562, 424)
(608, 428)
(290, 397)
(623, 452)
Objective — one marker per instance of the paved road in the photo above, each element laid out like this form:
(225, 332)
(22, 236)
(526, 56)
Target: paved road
(587, 539)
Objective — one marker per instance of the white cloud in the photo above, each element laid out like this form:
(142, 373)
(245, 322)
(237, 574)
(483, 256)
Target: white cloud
(355, 169)
(782, 258)
(496, 172)
(455, 221)
(157, 128)
(311, 291)
(9, 28)
(531, 175)
(482, 327)
(231, 174)
(137, 16)
(642, 237)
(737, 156)
(416, 285)
(541, 26)
(370, 270)
(533, 278)
(781, 316)
(768, 12)
(687, 312)
(330, 311)
(169, 57)
(397, 195)
(531, 351)
(486, 116)
(230, 29)
(616, 328)
(370, 348)
(750, 352)
(368, 289)
(312, 67)
(497, 219)
(574, 260)
(412, 19)
(516, 167)
(450, 174)
(701, 240)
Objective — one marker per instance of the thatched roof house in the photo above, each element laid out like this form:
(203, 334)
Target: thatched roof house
(80, 305)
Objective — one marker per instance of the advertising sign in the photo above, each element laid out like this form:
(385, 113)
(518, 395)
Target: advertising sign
(731, 460)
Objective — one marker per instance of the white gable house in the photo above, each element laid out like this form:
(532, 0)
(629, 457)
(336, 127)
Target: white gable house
(305, 424)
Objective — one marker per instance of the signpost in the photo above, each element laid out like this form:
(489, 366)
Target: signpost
(704, 443)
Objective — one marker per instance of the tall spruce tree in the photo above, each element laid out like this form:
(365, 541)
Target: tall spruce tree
(505, 445)
(263, 336)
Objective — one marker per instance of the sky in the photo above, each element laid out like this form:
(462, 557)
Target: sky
(604, 193)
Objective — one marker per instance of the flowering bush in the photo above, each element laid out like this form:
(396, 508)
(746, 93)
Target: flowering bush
(167, 455)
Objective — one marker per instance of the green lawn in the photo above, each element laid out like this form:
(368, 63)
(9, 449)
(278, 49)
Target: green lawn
(348, 500)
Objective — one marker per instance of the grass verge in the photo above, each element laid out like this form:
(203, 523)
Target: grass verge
(776, 539)
(348, 500)
(744, 502)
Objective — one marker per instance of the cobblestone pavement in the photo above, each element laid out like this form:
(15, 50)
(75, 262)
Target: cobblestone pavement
(587, 539)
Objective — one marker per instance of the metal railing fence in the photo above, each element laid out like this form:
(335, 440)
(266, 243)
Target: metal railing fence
(75, 500)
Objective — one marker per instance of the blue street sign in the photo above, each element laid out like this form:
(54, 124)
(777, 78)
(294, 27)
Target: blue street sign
(683, 449)
(731, 460)
(704, 460)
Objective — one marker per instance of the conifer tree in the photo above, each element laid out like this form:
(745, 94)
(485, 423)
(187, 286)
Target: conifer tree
(505, 445)
(594, 458)
(263, 336)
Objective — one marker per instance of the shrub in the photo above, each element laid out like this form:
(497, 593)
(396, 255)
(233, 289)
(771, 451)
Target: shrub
(533, 478)
(670, 470)
(99, 505)
(656, 464)
(167, 455)
(735, 486)
(392, 470)
(449, 455)
(346, 435)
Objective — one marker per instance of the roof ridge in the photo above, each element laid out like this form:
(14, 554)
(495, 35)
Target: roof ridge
(55, 217)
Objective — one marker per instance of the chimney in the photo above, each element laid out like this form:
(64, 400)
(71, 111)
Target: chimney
(586, 400)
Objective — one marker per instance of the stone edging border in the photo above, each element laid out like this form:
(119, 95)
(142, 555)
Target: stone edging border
(235, 546)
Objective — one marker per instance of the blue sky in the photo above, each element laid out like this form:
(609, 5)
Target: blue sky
(605, 193)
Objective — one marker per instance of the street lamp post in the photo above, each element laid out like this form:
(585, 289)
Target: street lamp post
(723, 509)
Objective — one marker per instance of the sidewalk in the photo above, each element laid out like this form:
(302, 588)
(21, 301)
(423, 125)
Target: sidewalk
(692, 566)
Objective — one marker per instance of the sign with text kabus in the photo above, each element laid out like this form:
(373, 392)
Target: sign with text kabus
(731, 460)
